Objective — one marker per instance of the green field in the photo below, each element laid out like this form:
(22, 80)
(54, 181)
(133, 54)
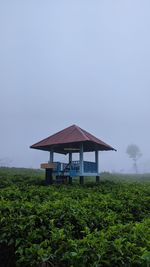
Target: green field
(72, 225)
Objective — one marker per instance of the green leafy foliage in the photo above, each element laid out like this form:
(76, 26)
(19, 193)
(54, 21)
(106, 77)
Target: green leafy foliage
(92, 226)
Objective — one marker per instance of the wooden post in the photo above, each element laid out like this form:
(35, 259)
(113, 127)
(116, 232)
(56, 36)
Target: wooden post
(51, 158)
(81, 160)
(48, 176)
(49, 171)
(81, 180)
(70, 180)
(97, 179)
(97, 161)
(70, 157)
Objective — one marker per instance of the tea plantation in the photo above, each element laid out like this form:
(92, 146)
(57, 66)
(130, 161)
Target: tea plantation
(106, 224)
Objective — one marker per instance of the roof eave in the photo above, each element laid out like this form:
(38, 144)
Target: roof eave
(88, 147)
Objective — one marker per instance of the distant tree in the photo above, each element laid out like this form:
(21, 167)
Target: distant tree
(134, 153)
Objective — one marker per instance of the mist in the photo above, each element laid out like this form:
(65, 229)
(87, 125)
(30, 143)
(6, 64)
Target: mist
(74, 62)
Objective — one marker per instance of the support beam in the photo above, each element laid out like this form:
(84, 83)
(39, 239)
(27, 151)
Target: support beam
(70, 157)
(48, 176)
(81, 160)
(97, 160)
(51, 158)
(97, 179)
(70, 180)
(81, 180)
(49, 171)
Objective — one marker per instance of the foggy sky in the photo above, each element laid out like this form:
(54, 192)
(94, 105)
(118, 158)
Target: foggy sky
(74, 62)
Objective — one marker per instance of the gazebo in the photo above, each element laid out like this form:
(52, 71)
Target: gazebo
(68, 141)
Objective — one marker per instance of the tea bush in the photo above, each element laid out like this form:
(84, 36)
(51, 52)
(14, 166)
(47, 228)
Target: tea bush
(93, 225)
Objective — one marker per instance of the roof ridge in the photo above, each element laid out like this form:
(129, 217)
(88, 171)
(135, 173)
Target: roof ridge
(82, 132)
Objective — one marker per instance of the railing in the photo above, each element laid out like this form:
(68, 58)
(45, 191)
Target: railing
(73, 169)
(89, 167)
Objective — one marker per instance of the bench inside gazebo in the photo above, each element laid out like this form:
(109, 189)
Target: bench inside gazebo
(69, 141)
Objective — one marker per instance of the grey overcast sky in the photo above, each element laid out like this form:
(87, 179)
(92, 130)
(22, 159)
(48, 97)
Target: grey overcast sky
(74, 62)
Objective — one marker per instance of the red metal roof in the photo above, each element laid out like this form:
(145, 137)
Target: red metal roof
(71, 137)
